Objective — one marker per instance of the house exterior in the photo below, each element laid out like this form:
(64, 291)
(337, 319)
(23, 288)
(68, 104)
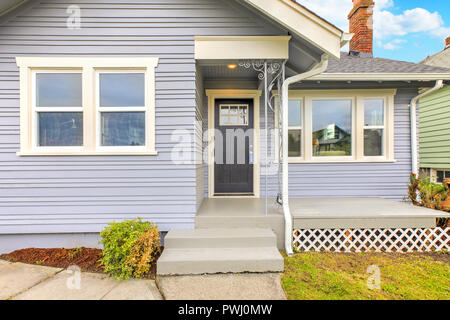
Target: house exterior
(433, 139)
(112, 111)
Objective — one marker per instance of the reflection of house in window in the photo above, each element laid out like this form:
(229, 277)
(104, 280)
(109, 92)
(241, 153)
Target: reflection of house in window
(332, 141)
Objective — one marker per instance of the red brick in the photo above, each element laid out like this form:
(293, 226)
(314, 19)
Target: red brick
(361, 24)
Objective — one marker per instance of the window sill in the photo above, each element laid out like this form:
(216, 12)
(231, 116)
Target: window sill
(87, 153)
(343, 161)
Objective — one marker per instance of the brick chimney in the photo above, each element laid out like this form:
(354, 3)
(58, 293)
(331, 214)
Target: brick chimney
(361, 24)
(447, 42)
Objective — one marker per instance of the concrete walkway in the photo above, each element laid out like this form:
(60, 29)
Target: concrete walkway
(245, 286)
(19, 281)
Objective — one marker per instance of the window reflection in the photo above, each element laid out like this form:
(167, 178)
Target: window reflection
(122, 89)
(332, 128)
(123, 128)
(58, 90)
(60, 129)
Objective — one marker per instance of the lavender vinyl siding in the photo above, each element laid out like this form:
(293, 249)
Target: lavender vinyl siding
(82, 194)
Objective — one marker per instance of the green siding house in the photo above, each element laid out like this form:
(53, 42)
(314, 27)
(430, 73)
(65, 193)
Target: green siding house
(434, 124)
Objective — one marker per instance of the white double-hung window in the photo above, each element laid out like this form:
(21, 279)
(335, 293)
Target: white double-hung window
(57, 109)
(87, 106)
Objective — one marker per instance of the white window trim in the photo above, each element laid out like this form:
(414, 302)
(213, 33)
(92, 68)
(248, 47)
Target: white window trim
(89, 67)
(358, 96)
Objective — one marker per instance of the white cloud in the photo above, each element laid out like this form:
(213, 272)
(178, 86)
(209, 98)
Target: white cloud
(335, 11)
(386, 23)
(392, 45)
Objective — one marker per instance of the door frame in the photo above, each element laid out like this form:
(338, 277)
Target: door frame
(234, 94)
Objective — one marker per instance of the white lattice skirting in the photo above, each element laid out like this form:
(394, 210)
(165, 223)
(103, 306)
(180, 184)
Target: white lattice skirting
(377, 240)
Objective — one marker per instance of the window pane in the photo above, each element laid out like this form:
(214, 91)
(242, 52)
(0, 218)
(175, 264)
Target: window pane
(123, 128)
(60, 129)
(295, 113)
(233, 115)
(58, 90)
(374, 112)
(295, 143)
(373, 142)
(332, 128)
(440, 176)
(122, 90)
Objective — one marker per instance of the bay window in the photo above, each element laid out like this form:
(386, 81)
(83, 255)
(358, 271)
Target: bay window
(341, 125)
(87, 106)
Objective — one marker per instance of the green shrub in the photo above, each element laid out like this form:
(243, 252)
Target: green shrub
(431, 195)
(129, 248)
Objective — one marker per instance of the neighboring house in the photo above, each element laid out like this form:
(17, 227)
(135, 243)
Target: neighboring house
(434, 137)
(128, 114)
(326, 141)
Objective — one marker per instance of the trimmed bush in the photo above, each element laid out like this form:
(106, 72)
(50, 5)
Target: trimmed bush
(129, 248)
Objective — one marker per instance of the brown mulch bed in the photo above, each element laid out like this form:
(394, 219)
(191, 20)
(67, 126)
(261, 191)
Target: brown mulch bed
(87, 259)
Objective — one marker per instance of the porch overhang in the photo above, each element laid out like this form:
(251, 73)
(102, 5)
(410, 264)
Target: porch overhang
(242, 47)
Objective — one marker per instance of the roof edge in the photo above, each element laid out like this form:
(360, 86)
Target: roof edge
(303, 23)
(382, 76)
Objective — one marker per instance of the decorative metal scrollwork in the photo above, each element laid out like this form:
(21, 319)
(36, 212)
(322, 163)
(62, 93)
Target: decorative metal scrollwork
(258, 66)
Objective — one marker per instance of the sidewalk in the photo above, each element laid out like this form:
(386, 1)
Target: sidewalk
(19, 281)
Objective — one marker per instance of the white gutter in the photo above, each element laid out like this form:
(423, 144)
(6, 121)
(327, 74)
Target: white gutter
(318, 69)
(413, 111)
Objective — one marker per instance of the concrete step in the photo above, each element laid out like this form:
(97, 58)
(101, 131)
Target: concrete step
(220, 238)
(273, 222)
(222, 260)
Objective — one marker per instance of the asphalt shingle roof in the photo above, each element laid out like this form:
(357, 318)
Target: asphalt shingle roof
(352, 64)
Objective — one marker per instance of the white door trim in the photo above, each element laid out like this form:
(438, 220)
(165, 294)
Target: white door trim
(234, 94)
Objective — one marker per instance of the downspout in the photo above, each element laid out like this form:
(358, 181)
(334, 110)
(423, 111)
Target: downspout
(318, 69)
(413, 118)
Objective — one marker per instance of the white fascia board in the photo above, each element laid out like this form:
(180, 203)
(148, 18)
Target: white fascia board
(302, 22)
(241, 47)
(382, 76)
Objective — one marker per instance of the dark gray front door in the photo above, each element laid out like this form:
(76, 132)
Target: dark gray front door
(233, 168)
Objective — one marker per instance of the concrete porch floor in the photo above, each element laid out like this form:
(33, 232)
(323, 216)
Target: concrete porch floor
(329, 213)
(319, 213)
(238, 207)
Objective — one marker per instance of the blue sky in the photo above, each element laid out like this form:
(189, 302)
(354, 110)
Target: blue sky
(404, 29)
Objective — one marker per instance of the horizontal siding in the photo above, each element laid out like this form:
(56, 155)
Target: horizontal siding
(82, 194)
(434, 132)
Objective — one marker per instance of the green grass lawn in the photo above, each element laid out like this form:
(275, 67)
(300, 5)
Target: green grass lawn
(341, 276)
